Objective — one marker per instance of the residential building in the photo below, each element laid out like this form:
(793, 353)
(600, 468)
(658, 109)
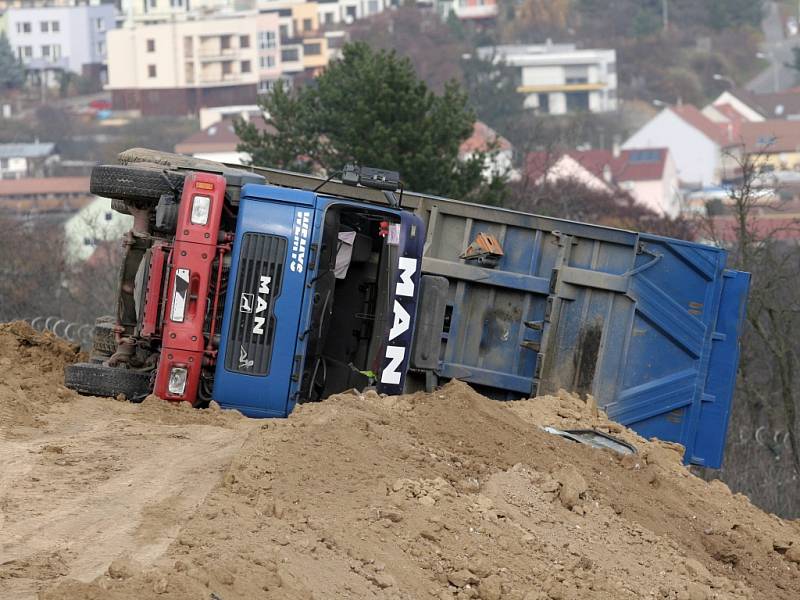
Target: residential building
(218, 141)
(757, 107)
(150, 12)
(54, 39)
(704, 151)
(18, 161)
(649, 175)
(94, 225)
(774, 144)
(179, 67)
(559, 78)
(45, 196)
(500, 152)
(468, 10)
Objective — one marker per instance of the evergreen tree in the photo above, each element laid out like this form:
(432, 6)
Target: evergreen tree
(370, 108)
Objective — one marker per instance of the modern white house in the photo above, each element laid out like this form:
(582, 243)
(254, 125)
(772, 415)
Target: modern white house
(559, 78)
(93, 225)
(696, 143)
(55, 39)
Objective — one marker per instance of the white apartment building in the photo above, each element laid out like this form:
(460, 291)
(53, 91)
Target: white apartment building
(559, 79)
(179, 67)
(61, 38)
(150, 12)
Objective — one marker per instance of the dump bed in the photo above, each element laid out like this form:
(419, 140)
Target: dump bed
(648, 325)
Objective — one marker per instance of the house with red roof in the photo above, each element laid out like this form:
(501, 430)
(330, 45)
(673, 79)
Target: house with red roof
(700, 147)
(649, 175)
(500, 152)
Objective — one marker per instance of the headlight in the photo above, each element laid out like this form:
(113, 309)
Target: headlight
(177, 380)
(200, 209)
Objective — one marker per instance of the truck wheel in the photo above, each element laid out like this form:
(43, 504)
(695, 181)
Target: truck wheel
(99, 380)
(133, 183)
(105, 338)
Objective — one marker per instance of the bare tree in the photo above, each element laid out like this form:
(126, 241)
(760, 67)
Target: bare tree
(763, 458)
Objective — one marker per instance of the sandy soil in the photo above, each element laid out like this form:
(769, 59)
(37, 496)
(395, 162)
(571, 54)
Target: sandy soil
(445, 495)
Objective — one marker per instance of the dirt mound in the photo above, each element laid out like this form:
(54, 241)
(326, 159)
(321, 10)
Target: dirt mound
(444, 496)
(32, 365)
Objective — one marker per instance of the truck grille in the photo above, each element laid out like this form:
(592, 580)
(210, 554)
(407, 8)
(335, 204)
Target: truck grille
(258, 285)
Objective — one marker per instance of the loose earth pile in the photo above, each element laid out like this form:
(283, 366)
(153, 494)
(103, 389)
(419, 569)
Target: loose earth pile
(445, 495)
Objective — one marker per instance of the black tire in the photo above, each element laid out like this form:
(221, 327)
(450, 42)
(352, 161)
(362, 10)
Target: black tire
(105, 338)
(133, 183)
(99, 380)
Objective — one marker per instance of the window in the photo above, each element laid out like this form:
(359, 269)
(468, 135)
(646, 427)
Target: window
(312, 49)
(225, 42)
(153, 3)
(266, 62)
(290, 55)
(23, 27)
(328, 18)
(101, 48)
(266, 40)
(45, 51)
(265, 87)
(244, 67)
(151, 71)
(244, 41)
(151, 45)
(3, 163)
(56, 51)
(611, 67)
(55, 26)
(372, 7)
(100, 24)
(645, 156)
(44, 26)
(284, 32)
(307, 25)
(350, 11)
(25, 52)
(109, 216)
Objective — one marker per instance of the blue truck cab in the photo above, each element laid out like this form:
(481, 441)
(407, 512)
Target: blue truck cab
(324, 299)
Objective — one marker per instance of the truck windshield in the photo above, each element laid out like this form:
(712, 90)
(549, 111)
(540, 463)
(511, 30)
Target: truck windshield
(352, 291)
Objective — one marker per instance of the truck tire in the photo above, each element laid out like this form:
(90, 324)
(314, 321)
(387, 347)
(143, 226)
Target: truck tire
(105, 338)
(99, 380)
(133, 183)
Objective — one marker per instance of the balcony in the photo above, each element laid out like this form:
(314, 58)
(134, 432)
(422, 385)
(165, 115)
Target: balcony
(481, 11)
(561, 87)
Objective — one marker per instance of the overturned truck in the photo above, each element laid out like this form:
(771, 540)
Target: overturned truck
(261, 288)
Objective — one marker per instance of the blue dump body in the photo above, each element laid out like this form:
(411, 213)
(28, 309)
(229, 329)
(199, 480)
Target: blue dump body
(648, 325)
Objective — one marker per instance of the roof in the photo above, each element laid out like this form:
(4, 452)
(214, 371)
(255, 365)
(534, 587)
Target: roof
(482, 138)
(219, 137)
(718, 132)
(635, 164)
(44, 185)
(32, 150)
(770, 136)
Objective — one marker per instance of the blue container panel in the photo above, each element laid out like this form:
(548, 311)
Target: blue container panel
(639, 321)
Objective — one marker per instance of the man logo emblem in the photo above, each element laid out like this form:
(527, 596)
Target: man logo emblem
(246, 303)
